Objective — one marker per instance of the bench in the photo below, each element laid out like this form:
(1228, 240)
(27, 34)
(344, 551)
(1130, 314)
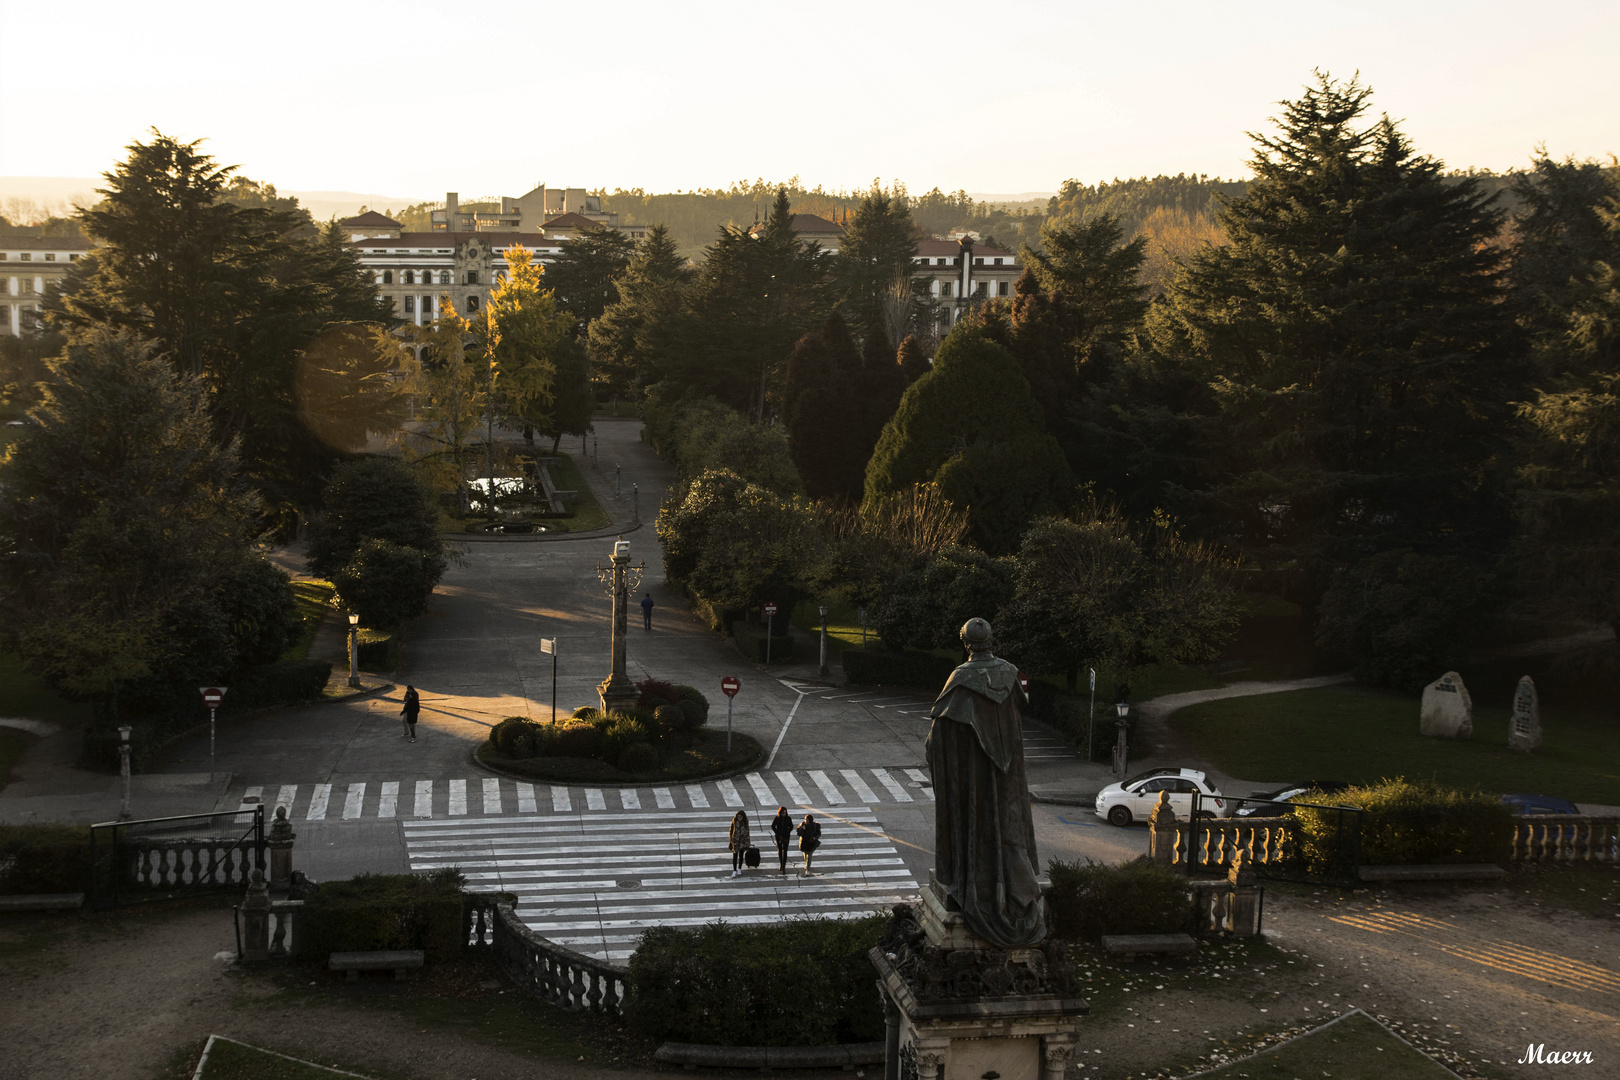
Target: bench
(1130, 946)
(1434, 872)
(65, 901)
(395, 960)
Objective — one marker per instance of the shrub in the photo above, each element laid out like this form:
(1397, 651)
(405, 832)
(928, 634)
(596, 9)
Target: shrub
(372, 498)
(506, 735)
(587, 713)
(655, 692)
(1139, 897)
(751, 640)
(377, 651)
(669, 719)
(388, 583)
(693, 704)
(387, 911)
(639, 758)
(623, 731)
(1070, 715)
(801, 982)
(577, 739)
(260, 610)
(1411, 821)
(44, 859)
(896, 668)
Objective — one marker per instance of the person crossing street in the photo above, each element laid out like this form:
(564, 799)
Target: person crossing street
(782, 830)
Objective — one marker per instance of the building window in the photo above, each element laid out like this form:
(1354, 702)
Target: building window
(388, 277)
(410, 305)
(71, 258)
(472, 303)
(27, 257)
(427, 307)
(1001, 288)
(444, 277)
(410, 277)
(472, 277)
(945, 289)
(4, 256)
(50, 256)
(979, 288)
(28, 286)
(978, 262)
(998, 262)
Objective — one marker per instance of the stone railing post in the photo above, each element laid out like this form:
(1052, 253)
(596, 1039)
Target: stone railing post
(256, 920)
(1163, 832)
(1243, 909)
(280, 843)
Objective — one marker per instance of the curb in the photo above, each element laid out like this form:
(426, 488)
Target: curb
(1063, 800)
(765, 1057)
(353, 695)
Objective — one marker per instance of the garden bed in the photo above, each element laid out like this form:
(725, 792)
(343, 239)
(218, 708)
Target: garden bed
(707, 757)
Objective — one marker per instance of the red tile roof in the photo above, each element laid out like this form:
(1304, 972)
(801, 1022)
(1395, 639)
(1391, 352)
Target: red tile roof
(947, 248)
(571, 220)
(370, 220)
(806, 225)
(45, 243)
(438, 240)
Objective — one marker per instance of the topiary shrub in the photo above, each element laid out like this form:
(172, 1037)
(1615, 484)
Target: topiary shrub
(623, 731)
(1085, 902)
(639, 758)
(655, 692)
(587, 713)
(1407, 822)
(670, 720)
(578, 739)
(693, 704)
(387, 911)
(506, 736)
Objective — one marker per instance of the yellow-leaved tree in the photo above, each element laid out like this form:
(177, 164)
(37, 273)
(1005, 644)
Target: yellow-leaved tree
(526, 334)
(447, 377)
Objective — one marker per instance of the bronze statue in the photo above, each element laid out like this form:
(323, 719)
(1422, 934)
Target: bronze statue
(984, 840)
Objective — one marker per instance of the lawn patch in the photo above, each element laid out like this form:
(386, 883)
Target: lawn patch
(26, 696)
(588, 513)
(13, 744)
(314, 601)
(1353, 1047)
(228, 1059)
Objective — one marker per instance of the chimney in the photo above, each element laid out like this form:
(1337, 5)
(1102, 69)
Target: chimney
(452, 206)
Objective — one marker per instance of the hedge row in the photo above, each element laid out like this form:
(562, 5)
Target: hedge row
(1084, 902)
(387, 911)
(882, 666)
(666, 718)
(751, 640)
(1070, 715)
(801, 982)
(1411, 822)
(378, 651)
(44, 859)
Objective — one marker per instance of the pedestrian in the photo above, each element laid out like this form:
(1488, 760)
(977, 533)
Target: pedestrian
(646, 611)
(809, 832)
(782, 829)
(739, 843)
(413, 705)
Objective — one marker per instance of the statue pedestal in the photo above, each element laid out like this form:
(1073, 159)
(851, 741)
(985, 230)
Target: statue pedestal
(957, 1008)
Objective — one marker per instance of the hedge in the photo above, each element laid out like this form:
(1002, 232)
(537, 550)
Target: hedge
(800, 982)
(378, 651)
(751, 640)
(387, 911)
(1411, 822)
(1070, 716)
(44, 859)
(1084, 902)
(897, 668)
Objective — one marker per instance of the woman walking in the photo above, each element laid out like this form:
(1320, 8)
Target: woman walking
(782, 829)
(413, 706)
(809, 832)
(739, 842)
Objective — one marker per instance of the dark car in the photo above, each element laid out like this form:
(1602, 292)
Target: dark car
(1274, 803)
(1526, 805)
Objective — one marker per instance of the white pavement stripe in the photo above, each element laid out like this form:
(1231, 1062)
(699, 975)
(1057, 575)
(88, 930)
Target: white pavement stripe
(606, 819)
(492, 795)
(560, 802)
(388, 803)
(317, 803)
(829, 790)
(862, 791)
(695, 795)
(892, 785)
(922, 779)
(762, 791)
(594, 799)
(666, 801)
(903, 705)
(458, 797)
(630, 798)
(252, 797)
(354, 802)
(796, 794)
(424, 799)
(728, 793)
(526, 798)
(284, 798)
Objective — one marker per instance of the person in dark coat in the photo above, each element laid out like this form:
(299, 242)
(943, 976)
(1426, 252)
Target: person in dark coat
(782, 829)
(413, 706)
(809, 831)
(739, 842)
(646, 611)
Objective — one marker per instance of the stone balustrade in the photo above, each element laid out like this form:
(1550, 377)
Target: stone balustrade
(174, 862)
(1263, 841)
(554, 973)
(1566, 838)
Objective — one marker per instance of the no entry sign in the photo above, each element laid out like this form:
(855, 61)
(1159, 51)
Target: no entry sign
(212, 695)
(1023, 682)
(729, 686)
(770, 611)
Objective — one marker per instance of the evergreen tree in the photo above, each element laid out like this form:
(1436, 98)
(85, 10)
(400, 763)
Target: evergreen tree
(912, 362)
(631, 340)
(876, 258)
(583, 276)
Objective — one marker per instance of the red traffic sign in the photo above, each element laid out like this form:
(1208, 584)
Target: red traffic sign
(770, 610)
(212, 695)
(729, 686)
(1023, 682)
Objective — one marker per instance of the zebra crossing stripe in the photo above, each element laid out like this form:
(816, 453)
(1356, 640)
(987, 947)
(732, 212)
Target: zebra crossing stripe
(526, 798)
(560, 801)
(665, 800)
(728, 793)
(862, 791)
(492, 795)
(284, 798)
(252, 797)
(796, 794)
(317, 803)
(424, 799)
(389, 802)
(354, 802)
(922, 779)
(762, 791)
(891, 785)
(695, 796)
(594, 799)
(828, 790)
(458, 797)
(630, 799)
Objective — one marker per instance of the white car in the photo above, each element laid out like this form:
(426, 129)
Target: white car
(1134, 799)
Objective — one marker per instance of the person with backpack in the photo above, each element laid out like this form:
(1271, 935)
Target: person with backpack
(809, 832)
(413, 706)
(782, 829)
(739, 843)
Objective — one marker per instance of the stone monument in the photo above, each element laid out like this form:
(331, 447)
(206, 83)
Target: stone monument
(1447, 711)
(970, 984)
(617, 692)
(1524, 730)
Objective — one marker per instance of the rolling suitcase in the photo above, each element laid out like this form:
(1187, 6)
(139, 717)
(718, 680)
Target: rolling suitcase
(751, 856)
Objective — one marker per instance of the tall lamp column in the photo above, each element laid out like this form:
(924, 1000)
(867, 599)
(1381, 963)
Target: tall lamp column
(617, 691)
(123, 767)
(354, 649)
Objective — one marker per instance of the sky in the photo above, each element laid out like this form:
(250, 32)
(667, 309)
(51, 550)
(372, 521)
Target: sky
(416, 99)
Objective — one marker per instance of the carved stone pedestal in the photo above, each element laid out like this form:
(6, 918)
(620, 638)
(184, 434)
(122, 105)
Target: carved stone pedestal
(957, 1007)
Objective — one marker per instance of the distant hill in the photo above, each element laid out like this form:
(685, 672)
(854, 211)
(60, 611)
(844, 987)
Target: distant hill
(57, 195)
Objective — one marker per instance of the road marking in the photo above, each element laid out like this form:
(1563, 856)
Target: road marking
(796, 794)
(285, 798)
(829, 790)
(424, 799)
(666, 801)
(388, 803)
(894, 787)
(594, 799)
(629, 798)
(526, 798)
(783, 733)
(252, 797)
(903, 705)
(354, 802)
(317, 803)
(762, 791)
(922, 780)
(492, 795)
(862, 791)
(458, 797)
(560, 802)
(728, 792)
(695, 795)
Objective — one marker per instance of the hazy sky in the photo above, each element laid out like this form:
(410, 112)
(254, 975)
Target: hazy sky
(414, 99)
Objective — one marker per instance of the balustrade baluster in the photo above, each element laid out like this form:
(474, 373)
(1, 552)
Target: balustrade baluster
(595, 994)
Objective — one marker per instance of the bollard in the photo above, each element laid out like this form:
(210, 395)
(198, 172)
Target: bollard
(1243, 910)
(255, 912)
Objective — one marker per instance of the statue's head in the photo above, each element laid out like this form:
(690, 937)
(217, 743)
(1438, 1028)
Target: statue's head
(976, 636)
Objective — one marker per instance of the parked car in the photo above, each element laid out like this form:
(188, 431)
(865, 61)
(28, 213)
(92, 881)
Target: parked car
(1134, 799)
(1527, 805)
(1275, 803)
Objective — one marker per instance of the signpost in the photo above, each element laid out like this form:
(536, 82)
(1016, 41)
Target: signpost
(861, 614)
(1023, 682)
(1091, 717)
(212, 697)
(549, 645)
(729, 687)
(770, 619)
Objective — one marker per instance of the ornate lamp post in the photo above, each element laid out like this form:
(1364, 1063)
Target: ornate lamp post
(617, 692)
(1121, 751)
(123, 767)
(354, 649)
(824, 669)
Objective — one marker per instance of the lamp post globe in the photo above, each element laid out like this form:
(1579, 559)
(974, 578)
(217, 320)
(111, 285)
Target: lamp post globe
(354, 649)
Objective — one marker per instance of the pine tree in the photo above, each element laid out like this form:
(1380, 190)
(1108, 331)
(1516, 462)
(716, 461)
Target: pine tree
(583, 276)
(876, 257)
(631, 342)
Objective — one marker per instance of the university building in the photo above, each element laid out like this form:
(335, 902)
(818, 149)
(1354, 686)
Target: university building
(29, 266)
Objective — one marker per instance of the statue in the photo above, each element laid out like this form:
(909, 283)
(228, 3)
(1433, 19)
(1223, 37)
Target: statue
(984, 840)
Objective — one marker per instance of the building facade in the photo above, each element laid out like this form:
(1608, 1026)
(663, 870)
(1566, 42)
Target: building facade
(415, 271)
(534, 214)
(30, 266)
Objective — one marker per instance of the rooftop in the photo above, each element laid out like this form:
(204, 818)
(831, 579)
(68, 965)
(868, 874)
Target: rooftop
(369, 220)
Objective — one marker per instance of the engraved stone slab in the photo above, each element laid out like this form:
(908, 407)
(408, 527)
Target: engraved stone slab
(1524, 729)
(1447, 711)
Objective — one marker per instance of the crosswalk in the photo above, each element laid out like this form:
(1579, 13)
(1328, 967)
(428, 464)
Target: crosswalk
(595, 881)
(1039, 743)
(487, 796)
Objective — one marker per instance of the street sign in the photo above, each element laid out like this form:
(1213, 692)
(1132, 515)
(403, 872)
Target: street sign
(1094, 678)
(212, 695)
(729, 686)
(548, 645)
(1023, 682)
(770, 611)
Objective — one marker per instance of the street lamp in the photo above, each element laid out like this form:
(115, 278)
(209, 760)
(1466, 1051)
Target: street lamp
(824, 669)
(1121, 750)
(123, 767)
(354, 649)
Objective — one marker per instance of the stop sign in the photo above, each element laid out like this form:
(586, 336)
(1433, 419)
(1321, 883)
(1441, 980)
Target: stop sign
(1023, 682)
(770, 610)
(729, 686)
(212, 695)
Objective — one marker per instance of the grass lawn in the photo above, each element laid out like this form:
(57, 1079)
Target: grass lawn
(1361, 735)
(23, 695)
(12, 745)
(314, 601)
(230, 1060)
(1356, 1047)
(588, 513)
